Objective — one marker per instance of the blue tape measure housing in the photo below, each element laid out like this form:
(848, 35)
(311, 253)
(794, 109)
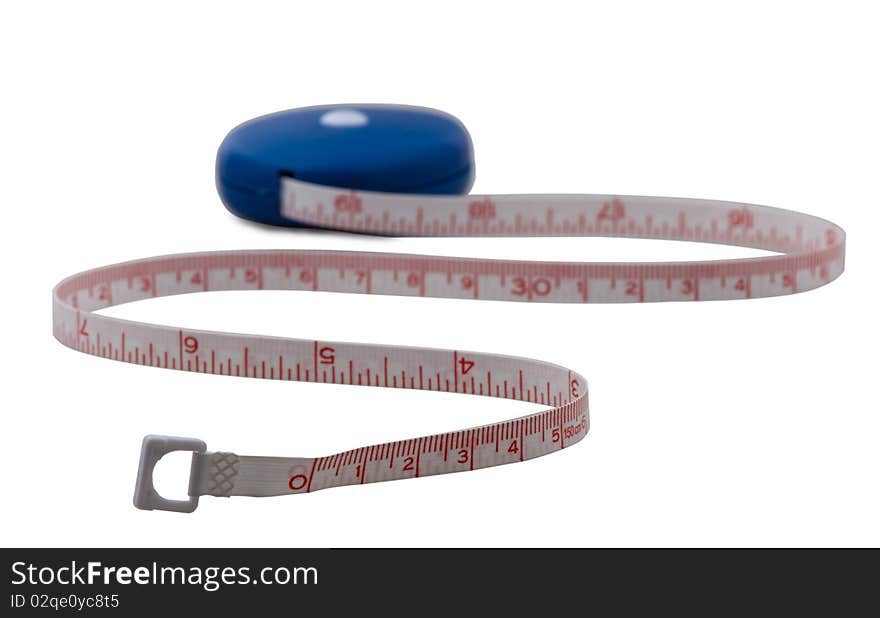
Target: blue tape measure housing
(388, 148)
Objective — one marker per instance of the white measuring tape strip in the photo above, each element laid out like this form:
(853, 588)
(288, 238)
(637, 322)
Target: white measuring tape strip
(810, 254)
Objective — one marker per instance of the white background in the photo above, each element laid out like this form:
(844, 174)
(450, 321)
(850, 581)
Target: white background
(738, 423)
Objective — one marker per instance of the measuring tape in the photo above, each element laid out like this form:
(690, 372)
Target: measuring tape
(810, 253)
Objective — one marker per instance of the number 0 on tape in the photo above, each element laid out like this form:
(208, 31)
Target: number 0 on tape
(404, 171)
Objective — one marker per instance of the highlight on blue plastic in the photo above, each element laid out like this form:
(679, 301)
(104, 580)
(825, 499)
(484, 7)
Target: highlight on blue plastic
(388, 148)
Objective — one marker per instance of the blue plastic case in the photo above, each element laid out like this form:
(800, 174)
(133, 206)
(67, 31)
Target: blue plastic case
(387, 148)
